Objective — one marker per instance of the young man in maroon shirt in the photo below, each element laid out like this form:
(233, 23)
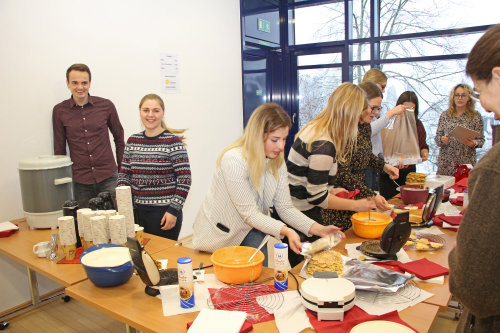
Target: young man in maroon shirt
(83, 122)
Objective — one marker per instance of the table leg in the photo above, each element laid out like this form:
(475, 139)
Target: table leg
(33, 282)
(130, 329)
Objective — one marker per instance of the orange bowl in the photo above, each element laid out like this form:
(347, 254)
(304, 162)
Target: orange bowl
(231, 264)
(370, 229)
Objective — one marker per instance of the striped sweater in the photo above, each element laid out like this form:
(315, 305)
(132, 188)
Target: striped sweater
(311, 174)
(157, 170)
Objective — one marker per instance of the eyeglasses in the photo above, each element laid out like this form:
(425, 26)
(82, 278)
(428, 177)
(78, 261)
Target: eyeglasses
(375, 108)
(460, 95)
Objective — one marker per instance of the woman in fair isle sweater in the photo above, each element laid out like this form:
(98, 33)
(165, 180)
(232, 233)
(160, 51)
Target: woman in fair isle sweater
(156, 166)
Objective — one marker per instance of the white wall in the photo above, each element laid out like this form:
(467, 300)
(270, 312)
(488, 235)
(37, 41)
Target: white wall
(121, 41)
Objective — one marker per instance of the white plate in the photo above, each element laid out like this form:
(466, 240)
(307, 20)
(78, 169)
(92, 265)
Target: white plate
(381, 326)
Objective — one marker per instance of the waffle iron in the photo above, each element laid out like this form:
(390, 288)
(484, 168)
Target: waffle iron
(395, 235)
(328, 296)
(149, 273)
(430, 207)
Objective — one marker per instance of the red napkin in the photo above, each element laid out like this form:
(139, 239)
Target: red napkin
(352, 318)
(7, 233)
(458, 201)
(425, 269)
(462, 182)
(439, 223)
(453, 220)
(392, 265)
(347, 195)
(460, 186)
(247, 327)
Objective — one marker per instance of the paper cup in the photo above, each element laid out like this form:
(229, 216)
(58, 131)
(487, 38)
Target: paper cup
(69, 251)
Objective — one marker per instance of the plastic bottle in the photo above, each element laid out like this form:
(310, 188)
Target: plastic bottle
(281, 266)
(466, 198)
(186, 284)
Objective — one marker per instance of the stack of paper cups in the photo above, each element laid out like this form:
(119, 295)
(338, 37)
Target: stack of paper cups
(108, 213)
(79, 217)
(67, 235)
(87, 228)
(99, 235)
(117, 229)
(125, 208)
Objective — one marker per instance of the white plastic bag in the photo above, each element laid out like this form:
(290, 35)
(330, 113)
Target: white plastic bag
(400, 142)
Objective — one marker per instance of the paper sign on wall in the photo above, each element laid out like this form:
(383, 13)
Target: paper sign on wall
(169, 71)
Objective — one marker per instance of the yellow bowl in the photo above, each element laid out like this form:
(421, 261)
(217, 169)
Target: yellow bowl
(370, 229)
(231, 264)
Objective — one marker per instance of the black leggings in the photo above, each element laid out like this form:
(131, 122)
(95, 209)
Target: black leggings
(387, 186)
(150, 217)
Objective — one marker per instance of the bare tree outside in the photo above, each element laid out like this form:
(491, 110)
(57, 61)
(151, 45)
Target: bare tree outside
(430, 80)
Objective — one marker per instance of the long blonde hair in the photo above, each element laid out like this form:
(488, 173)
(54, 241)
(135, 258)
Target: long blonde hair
(163, 125)
(265, 119)
(376, 76)
(470, 107)
(339, 120)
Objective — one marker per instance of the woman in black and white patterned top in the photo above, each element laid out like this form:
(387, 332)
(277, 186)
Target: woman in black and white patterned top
(461, 112)
(156, 167)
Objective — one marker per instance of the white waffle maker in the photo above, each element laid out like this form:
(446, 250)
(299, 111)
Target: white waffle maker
(327, 295)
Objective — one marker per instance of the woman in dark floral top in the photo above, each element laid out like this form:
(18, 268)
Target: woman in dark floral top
(461, 112)
(351, 174)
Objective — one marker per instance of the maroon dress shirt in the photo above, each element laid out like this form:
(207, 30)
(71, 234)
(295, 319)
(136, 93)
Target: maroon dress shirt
(85, 129)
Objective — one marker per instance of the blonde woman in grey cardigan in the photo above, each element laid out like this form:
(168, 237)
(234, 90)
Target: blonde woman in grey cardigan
(250, 178)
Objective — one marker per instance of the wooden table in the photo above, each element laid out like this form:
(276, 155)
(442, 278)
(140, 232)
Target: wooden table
(129, 304)
(19, 246)
(442, 294)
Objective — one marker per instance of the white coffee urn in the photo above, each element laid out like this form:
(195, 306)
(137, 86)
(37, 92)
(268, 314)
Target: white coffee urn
(46, 183)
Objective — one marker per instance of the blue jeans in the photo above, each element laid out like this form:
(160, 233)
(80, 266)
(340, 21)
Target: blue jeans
(253, 239)
(83, 193)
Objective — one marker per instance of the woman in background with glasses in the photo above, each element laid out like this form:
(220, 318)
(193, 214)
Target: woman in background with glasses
(461, 112)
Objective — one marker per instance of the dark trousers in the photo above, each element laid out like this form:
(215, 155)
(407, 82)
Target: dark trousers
(83, 192)
(387, 186)
(371, 178)
(150, 217)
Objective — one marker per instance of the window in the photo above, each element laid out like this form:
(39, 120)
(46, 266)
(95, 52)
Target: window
(322, 23)
(421, 45)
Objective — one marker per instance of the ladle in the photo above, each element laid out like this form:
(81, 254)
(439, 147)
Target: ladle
(264, 241)
(399, 186)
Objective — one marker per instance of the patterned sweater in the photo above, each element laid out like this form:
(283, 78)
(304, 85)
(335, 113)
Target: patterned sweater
(157, 169)
(351, 176)
(456, 152)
